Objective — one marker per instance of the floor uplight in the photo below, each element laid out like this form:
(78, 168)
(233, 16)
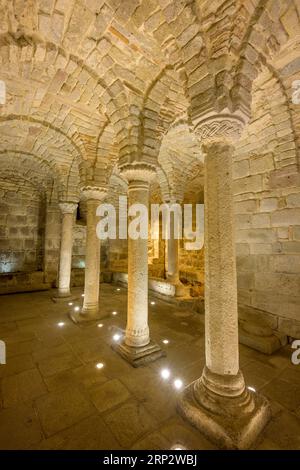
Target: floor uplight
(177, 447)
(100, 365)
(165, 374)
(178, 384)
(61, 324)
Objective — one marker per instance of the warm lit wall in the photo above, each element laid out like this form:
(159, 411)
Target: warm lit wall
(21, 227)
(267, 206)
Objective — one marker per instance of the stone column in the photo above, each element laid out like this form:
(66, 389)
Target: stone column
(172, 253)
(137, 348)
(172, 248)
(90, 309)
(66, 244)
(219, 403)
(52, 242)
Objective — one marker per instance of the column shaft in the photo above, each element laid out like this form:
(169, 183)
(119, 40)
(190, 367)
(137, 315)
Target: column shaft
(221, 315)
(218, 403)
(66, 245)
(137, 331)
(92, 261)
(65, 254)
(173, 252)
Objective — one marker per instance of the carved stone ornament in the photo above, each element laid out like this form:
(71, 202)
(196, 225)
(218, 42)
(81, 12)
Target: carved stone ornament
(138, 171)
(68, 207)
(93, 192)
(220, 126)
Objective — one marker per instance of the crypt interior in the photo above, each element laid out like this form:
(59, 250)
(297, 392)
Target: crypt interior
(145, 344)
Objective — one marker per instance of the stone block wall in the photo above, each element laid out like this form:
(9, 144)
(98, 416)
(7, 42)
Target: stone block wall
(118, 259)
(192, 261)
(22, 225)
(157, 254)
(79, 237)
(267, 207)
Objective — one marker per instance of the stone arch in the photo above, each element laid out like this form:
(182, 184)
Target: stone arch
(22, 134)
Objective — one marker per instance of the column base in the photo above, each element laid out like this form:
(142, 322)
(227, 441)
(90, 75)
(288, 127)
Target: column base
(139, 356)
(63, 297)
(260, 337)
(83, 317)
(230, 422)
(181, 290)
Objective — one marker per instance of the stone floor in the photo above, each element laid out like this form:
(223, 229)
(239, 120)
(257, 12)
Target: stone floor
(53, 396)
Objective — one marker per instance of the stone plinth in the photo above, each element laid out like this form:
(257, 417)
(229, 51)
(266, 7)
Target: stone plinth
(230, 422)
(139, 356)
(260, 337)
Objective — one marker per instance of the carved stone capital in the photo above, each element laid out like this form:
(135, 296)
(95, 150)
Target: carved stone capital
(93, 192)
(217, 127)
(68, 207)
(217, 147)
(173, 200)
(138, 171)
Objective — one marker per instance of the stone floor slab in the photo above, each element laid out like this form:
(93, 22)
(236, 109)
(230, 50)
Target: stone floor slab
(109, 395)
(129, 423)
(67, 357)
(61, 409)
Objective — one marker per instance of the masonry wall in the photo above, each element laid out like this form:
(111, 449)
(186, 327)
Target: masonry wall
(22, 227)
(79, 240)
(192, 261)
(267, 206)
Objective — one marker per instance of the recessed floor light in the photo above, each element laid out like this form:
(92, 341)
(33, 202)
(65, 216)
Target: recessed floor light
(152, 303)
(177, 447)
(115, 313)
(77, 309)
(252, 389)
(116, 337)
(70, 303)
(165, 341)
(82, 295)
(178, 384)
(165, 373)
(61, 324)
(100, 365)
(100, 325)
(118, 289)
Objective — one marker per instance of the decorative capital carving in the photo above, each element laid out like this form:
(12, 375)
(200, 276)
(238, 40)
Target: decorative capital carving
(173, 200)
(93, 192)
(68, 207)
(138, 171)
(217, 146)
(220, 127)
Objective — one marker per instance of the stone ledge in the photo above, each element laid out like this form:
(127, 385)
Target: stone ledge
(139, 356)
(30, 281)
(268, 342)
(159, 286)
